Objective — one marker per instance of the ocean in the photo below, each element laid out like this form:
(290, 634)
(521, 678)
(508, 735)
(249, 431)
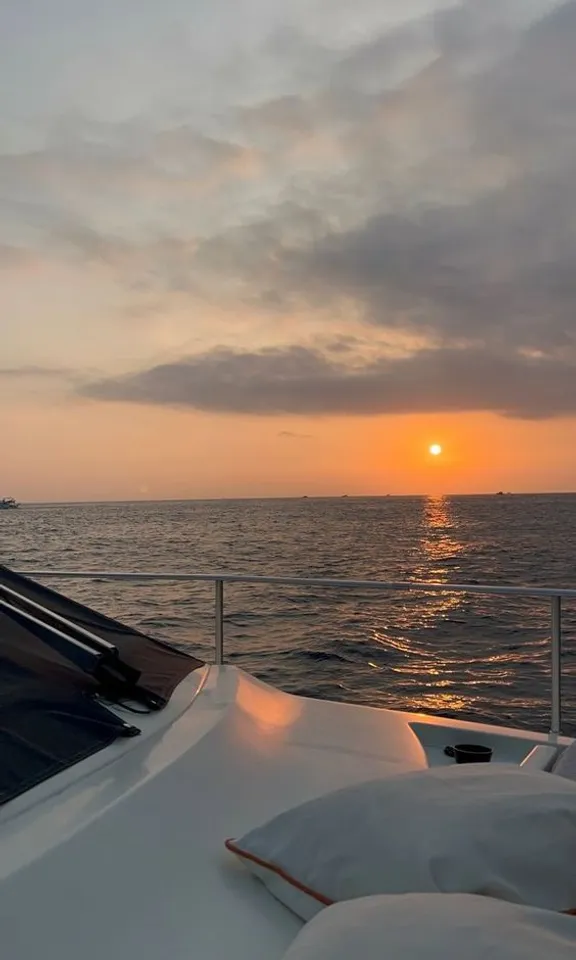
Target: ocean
(472, 657)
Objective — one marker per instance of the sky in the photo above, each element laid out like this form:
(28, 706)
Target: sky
(259, 248)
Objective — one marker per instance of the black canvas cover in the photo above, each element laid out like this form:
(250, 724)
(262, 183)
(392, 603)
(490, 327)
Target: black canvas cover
(46, 729)
(51, 674)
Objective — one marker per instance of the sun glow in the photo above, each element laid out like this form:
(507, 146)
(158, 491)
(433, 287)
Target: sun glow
(435, 449)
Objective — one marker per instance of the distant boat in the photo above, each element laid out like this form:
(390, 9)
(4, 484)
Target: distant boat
(8, 503)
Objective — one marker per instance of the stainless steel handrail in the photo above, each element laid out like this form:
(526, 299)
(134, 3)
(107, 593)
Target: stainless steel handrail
(554, 595)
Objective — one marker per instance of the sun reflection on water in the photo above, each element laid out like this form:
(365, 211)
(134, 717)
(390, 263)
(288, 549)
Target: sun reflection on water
(440, 702)
(439, 541)
(439, 548)
(422, 625)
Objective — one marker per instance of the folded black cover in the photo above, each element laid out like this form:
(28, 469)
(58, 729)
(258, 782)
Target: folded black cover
(49, 718)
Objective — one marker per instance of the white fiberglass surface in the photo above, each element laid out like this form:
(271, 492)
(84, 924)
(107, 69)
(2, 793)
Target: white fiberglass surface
(135, 865)
(146, 875)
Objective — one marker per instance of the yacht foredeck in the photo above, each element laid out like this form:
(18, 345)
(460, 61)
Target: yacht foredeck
(122, 854)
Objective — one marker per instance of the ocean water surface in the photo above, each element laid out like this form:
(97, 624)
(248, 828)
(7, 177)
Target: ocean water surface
(468, 656)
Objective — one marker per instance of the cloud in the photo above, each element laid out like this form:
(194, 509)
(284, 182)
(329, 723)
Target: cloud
(38, 372)
(81, 155)
(290, 435)
(410, 182)
(304, 381)
(14, 258)
(118, 179)
(454, 214)
(501, 270)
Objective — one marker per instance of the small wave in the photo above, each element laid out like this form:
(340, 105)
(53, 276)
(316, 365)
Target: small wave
(319, 656)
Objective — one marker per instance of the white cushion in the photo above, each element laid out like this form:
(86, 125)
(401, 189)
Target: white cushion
(565, 765)
(495, 830)
(433, 926)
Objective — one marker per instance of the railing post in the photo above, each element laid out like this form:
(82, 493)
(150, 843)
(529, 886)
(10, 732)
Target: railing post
(219, 622)
(556, 665)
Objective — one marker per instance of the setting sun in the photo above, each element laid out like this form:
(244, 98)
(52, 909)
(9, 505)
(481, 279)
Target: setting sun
(435, 449)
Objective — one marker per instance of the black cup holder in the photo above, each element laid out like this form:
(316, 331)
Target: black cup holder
(469, 753)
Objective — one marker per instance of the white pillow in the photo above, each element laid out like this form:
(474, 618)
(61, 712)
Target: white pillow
(495, 830)
(424, 926)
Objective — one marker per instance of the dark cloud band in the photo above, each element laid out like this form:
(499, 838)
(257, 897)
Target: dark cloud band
(301, 381)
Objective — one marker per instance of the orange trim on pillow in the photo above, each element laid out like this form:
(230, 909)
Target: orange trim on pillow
(231, 846)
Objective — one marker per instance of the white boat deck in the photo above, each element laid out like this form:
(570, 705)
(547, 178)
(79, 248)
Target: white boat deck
(122, 855)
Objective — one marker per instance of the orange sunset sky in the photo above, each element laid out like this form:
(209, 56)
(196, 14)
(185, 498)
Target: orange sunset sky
(254, 248)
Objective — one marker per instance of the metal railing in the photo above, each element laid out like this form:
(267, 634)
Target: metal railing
(552, 595)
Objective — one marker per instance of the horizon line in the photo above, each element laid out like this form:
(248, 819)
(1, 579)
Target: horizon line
(297, 497)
